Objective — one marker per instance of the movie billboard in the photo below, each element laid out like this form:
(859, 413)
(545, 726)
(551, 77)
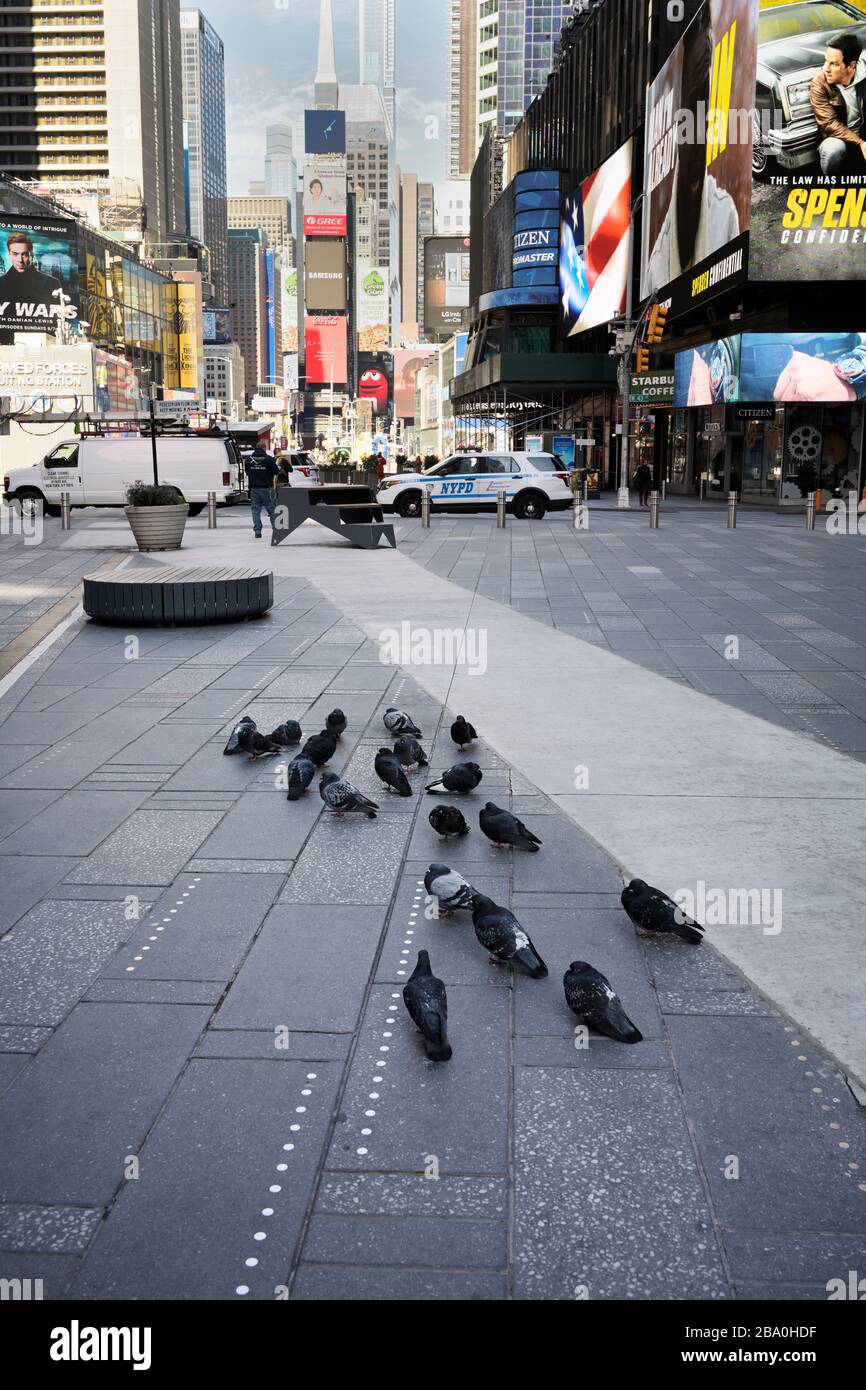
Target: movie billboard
(325, 276)
(407, 363)
(217, 325)
(809, 188)
(668, 21)
(595, 246)
(709, 374)
(325, 198)
(372, 308)
(446, 284)
(327, 349)
(325, 132)
(698, 159)
(803, 367)
(38, 274)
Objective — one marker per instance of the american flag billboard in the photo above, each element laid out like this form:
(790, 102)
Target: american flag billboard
(595, 246)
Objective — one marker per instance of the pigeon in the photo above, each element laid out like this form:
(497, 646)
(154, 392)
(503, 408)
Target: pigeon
(320, 748)
(590, 996)
(505, 829)
(397, 722)
(287, 734)
(301, 773)
(462, 732)
(427, 1005)
(336, 723)
(453, 891)
(257, 745)
(448, 820)
(410, 752)
(463, 777)
(500, 933)
(389, 771)
(234, 743)
(341, 796)
(655, 912)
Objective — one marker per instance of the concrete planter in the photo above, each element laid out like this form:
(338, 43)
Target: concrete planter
(158, 528)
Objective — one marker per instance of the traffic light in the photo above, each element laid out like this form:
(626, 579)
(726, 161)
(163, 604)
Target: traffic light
(643, 361)
(657, 324)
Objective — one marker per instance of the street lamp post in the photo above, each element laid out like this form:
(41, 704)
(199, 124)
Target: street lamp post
(625, 383)
(152, 395)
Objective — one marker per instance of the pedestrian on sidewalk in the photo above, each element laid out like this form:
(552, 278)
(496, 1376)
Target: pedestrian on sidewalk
(261, 471)
(643, 481)
(380, 466)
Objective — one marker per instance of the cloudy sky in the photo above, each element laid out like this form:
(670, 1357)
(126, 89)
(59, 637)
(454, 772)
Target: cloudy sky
(271, 49)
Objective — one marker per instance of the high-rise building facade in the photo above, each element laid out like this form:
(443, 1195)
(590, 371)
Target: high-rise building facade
(452, 207)
(326, 87)
(273, 215)
(281, 168)
(91, 89)
(515, 53)
(204, 139)
(248, 296)
(463, 84)
(368, 153)
(377, 50)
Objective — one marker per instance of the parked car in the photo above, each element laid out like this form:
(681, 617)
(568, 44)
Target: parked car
(792, 41)
(97, 471)
(534, 484)
(302, 470)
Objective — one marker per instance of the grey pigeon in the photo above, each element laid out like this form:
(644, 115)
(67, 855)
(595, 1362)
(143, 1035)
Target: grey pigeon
(653, 911)
(320, 748)
(257, 745)
(462, 778)
(453, 891)
(448, 820)
(500, 933)
(462, 732)
(590, 996)
(301, 772)
(285, 735)
(398, 722)
(243, 726)
(342, 797)
(409, 751)
(389, 771)
(427, 1005)
(505, 829)
(336, 723)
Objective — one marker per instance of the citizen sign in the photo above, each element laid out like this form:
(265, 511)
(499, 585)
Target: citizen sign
(537, 238)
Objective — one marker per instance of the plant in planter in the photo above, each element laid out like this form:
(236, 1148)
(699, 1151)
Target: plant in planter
(156, 516)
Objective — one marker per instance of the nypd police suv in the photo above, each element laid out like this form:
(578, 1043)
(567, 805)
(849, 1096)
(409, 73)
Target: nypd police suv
(533, 484)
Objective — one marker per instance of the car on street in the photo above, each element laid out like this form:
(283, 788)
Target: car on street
(469, 482)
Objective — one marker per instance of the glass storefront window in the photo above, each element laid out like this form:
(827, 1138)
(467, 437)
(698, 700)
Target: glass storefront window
(761, 463)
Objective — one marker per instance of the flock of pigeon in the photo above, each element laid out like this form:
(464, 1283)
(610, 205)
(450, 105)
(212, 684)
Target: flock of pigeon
(588, 993)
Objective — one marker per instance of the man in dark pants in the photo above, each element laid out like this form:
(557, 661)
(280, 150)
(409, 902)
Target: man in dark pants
(261, 470)
(643, 481)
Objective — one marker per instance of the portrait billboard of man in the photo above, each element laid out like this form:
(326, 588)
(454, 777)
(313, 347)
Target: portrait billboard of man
(39, 279)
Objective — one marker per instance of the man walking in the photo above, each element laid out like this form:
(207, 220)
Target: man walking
(261, 470)
(643, 481)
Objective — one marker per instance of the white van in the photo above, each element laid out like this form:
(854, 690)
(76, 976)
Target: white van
(96, 472)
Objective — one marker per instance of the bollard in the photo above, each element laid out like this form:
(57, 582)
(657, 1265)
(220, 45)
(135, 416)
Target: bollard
(664, 489)
(703, 488)
(732, 511)
(211, 511)
(586, 489)
(654, 511)
(579, 516)
(65, 512)
(501, 496)
(810, 512)
(426, 496)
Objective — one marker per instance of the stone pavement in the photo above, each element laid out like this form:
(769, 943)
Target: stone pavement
(169, 919)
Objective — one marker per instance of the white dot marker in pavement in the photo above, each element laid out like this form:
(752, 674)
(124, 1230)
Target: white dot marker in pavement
(287, 1148)
(267, 1211)
(361, 1152)
(275, 1187)
(242, 1288)
(250, 1263)
(260, 1235)
(294, 1128)
(311, 1076)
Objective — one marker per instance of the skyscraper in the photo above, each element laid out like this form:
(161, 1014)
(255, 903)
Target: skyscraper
(377, 50)
(204, 139)
(462, 78)
(326, 88)
(281, 169)
(92, 89)
(248, 292)
(515, 44)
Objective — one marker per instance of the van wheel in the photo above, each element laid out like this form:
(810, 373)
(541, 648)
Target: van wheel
(196, 508)
(31, 494)
(530, 506)
(408, 505)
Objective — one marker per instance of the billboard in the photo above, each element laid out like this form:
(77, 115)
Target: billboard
(189, 340)
(446, 284)
(372, 308)
(38, 274)
(327, 349)
(325, 276)
(271, 303)
(698, 158)
(290, 371)
(595, 246)
(406, 365)
(217, 325)
(803, 367)
(709, 374)
(809, 188)
(374, 380)
(325, 132)
(325, 197)
(289, 305)
(535, 240)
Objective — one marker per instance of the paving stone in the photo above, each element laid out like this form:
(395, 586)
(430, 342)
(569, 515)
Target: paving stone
(794, 1257)
(359, 677)
(22, 1040)
(208, 1170)
(781, 1293)
(61, 767)
(436, 1242)
(59, 1230)
(568, 861)
(549, 1050)
(40, 728)
(255, 829)
(34, 876)
(454, 950)
(791, 690)
(151, 847)
(132, 990)
(86, 1100)
(166, 746)
(404, 1286)
(74, 823)
(404, 1194)
(262, 1046)
(350, 860)
(51, 1275)
(12, 756)
(11, 1065)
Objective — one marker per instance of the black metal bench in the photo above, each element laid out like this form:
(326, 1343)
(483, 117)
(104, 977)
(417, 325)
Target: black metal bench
(349, 511)
(216, 595)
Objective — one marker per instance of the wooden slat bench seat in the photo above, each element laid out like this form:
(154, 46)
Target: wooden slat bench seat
(217, 594)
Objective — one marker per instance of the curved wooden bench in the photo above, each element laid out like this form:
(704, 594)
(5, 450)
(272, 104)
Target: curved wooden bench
(178, 595)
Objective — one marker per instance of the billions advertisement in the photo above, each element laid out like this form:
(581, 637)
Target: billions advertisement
(698, 158)
(38, 274)
(803, 367)
(325, 197)
(325, 132)
(327, 349)
(406, 365)
(446, 284)
(372, 308)
(809, 194)
(595, 246)
(325, 275)
(708, 375)
(535, 244)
